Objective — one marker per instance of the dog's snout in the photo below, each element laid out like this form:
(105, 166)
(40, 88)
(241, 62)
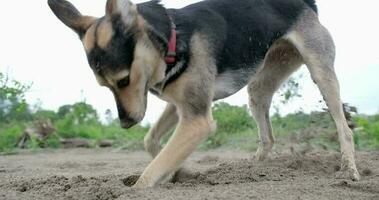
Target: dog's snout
(127, 123)
(121, 111)
(125, 120)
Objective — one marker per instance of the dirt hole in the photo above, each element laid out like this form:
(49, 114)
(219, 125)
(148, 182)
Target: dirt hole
(130, 180)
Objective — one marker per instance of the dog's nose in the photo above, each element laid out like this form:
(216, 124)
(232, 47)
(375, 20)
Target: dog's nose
(127, 123)
(125, 120)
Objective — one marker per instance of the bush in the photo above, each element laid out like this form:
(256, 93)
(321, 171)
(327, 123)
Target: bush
(231, 121)
(368, 131)
(9, 136)
(13, 105)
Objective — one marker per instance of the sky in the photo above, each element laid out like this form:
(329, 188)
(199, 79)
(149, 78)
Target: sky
(37, 48)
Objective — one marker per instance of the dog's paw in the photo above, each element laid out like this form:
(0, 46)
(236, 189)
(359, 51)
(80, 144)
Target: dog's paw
(144, 182)
(348, 174)
(261, 155)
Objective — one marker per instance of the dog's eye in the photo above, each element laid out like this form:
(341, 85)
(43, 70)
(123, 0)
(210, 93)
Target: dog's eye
(123, 82)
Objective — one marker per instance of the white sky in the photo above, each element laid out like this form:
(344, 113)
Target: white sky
(36, 48)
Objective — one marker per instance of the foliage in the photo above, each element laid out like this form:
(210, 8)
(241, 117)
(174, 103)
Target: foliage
(300, 121)
(230, 120)
(79, 113)
(13, 105)
(78, 120)
(9, 135)
(368, 133)
(45, 115)
(290, 89)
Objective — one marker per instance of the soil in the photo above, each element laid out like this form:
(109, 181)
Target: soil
(222, 174)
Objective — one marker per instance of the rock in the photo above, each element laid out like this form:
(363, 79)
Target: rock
(75, 143)
(105, 143)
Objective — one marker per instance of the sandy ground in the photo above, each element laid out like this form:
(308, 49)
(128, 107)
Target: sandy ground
(105, 174)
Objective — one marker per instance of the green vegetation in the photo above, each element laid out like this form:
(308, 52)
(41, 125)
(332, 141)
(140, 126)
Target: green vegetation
(368, 133)
(12, 103)
(9, 135)
(236, 129)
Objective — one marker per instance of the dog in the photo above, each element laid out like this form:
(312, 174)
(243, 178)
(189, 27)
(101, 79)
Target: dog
(204, 52)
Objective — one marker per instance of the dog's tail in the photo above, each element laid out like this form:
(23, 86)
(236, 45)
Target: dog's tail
(312, 4)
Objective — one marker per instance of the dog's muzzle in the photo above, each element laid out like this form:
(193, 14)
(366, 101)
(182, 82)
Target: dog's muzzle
(125, 120)
(127, 123)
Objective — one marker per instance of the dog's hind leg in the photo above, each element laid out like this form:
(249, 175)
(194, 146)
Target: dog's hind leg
(281, 61)
(318, 51)
(166, 122)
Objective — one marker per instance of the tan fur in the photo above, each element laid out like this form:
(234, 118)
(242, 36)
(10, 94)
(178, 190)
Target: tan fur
(89, 39)
(193, 127)
(188, 135)
(280, 62)
(133, 98)
(318, 51)
(120, 75)
(166, 122)
(84, 22)
(195, 74)
(310, 43)
(100, 80)
(127, 10)
(104, 34)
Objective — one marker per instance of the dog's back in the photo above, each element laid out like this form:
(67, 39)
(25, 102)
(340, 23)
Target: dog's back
(240, 31)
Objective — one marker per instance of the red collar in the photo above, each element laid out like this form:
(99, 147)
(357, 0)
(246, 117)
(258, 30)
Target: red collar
(171, 52)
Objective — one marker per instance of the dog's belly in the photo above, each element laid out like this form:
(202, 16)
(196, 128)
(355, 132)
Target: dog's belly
(230, 82)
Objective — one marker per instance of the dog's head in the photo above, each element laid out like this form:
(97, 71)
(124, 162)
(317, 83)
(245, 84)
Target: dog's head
(119, 51)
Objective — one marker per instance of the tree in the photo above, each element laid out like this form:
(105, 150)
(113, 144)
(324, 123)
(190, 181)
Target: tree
(109, 117)
(13, 105)
(79, 113)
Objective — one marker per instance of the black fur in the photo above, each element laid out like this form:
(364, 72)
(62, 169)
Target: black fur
(68, 14)
(120, 51)
(312, 4)
(183, 64)
(240, 32)
(160, 21)
(156, 16)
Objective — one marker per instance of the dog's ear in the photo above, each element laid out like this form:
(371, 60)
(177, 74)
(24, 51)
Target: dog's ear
(70, 16)
(125, 8)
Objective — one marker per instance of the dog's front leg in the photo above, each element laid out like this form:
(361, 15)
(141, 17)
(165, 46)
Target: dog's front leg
(191, 131)
(165, 123)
